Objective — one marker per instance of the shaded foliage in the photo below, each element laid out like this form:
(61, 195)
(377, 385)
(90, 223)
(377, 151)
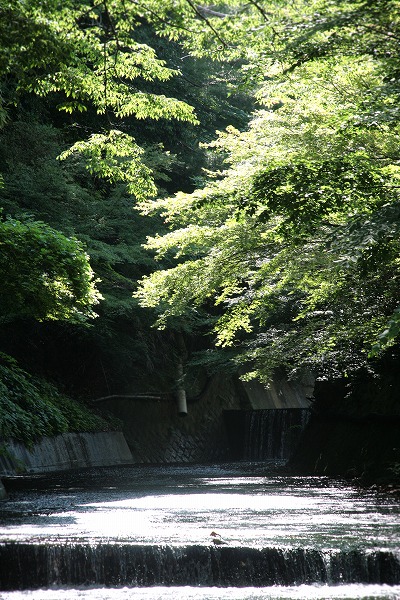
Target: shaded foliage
(32, 408)
(90, 195)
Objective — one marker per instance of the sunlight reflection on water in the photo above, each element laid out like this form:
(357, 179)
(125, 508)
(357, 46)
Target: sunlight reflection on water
(181, 505)
(178, 505)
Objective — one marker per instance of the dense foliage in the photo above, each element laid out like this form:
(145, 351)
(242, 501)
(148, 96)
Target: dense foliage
(44, 274)
(295, 243)
(276, 238)
(74, 160)
(31, 407)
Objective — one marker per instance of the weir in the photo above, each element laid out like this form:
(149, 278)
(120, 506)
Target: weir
(135, 565)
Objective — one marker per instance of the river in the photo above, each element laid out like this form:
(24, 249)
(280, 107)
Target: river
(143, 532)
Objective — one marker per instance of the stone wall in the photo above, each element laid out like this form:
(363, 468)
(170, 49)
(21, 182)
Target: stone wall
(340, 445)
(157, 434)
(354, 430)
(153, 432)
(3, 493)
(66, 451)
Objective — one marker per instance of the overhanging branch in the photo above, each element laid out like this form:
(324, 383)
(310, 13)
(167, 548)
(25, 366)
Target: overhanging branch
(208, 22)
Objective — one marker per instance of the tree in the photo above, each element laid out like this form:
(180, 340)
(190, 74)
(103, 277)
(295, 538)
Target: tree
(44, 274)
(295, 244)
(128, 152)
(87, 54)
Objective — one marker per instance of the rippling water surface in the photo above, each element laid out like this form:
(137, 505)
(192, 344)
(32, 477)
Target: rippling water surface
(248, 504)
(182, 505)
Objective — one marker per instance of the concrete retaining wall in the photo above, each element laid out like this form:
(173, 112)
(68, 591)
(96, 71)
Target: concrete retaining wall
(281, 393)
(66, 451)
(156, 434)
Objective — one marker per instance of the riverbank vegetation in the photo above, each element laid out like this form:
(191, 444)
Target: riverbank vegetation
(31, 407)
(228, 171)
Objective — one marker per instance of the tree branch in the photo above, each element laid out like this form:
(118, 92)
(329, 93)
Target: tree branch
(207, 21)
(209, 11)
(378, 31)
(159, 17)
(260, 9)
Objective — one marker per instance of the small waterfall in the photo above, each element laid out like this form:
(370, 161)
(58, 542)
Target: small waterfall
(265, 434)
(32, 566)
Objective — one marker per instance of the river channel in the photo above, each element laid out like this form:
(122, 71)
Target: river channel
(143, 532)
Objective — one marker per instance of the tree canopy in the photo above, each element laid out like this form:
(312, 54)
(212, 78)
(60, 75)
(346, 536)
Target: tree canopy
(45, 275)
(293, 246)
(74, 160)
(284, 248)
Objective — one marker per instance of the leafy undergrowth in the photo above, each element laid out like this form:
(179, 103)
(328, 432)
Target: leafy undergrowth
(31, 408)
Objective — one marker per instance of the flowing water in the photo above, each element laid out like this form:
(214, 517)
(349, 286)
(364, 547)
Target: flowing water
(144, 533)
(265, 434)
